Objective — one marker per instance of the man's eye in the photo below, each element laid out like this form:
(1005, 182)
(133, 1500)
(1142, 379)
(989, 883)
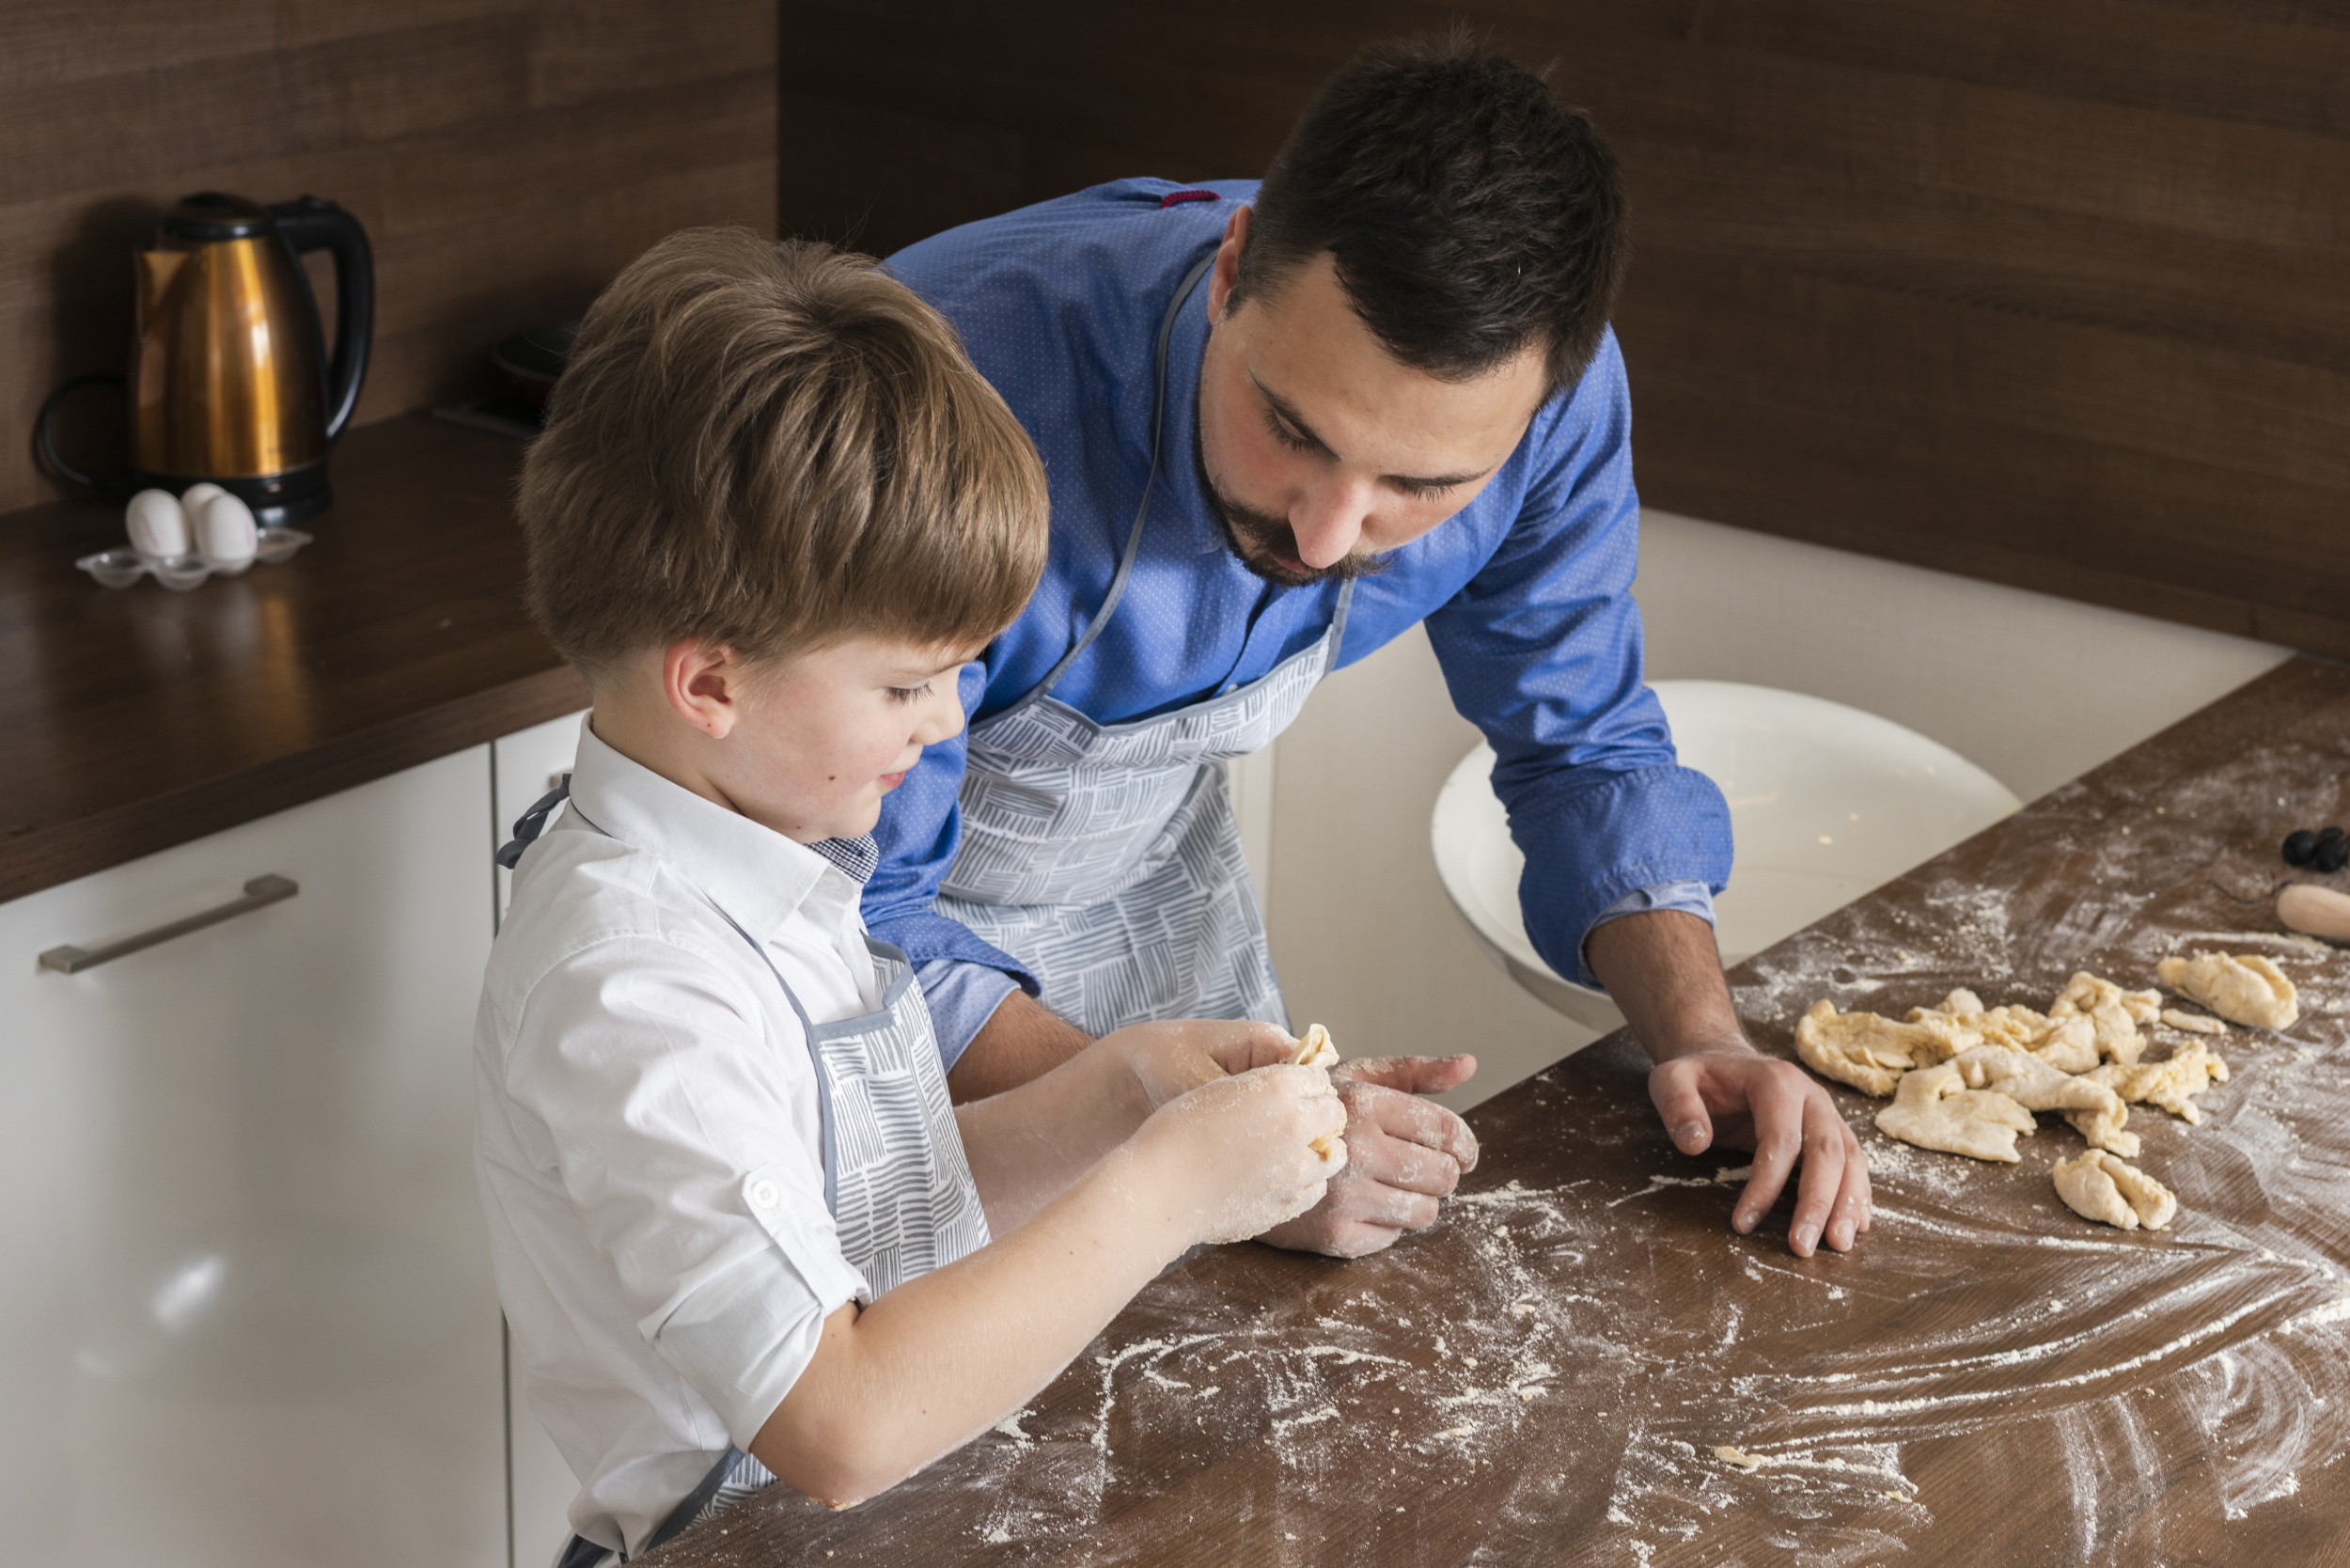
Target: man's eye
(1420, 489)
(1286, 436)
(910, 693)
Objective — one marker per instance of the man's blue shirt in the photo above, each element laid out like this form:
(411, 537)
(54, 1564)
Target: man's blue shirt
(1526, 592)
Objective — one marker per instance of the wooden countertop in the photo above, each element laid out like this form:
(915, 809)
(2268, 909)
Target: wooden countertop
(1544, 1377)
(137, 719)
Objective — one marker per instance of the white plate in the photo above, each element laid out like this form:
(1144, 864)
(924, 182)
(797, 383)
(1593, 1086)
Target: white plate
(1826, 802)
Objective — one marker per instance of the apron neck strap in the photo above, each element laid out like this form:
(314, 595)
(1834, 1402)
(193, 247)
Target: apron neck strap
(1158, 425)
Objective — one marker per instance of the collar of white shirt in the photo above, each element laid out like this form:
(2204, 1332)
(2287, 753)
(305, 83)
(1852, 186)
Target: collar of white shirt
(755, 874)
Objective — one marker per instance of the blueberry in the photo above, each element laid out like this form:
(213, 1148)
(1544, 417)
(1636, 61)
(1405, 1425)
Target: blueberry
(2329, 835)
(2331, 856)
(2300, 847)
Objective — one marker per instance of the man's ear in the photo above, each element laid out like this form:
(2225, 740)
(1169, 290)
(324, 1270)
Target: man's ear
(703, 684)
(1226, 277)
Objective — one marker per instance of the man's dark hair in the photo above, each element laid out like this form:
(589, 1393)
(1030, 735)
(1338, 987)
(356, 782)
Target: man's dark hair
(1469, 212)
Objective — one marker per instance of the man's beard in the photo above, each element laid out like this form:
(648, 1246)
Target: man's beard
(1256, 536)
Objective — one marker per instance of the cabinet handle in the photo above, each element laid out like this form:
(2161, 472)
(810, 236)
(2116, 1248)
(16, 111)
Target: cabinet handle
(260, 891)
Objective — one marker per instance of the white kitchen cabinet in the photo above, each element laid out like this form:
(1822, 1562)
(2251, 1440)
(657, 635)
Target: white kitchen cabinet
(245, 1307)
(525, 766)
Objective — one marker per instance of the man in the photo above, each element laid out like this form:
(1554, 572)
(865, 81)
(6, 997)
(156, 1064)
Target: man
(1281, 425)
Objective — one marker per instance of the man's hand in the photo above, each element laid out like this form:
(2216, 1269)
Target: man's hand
(1403, 1154)
(1712, 1087)
(1751, 1101)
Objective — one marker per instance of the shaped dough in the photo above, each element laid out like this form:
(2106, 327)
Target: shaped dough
(2249, 990)
(2191, 1070)
(2067, 1043)
(2113, 1014)
(2096, 1186)
(2095, 1107)
(1868, 1051)
(1315, 1049)
(1935, 1109)
(2194, 1023)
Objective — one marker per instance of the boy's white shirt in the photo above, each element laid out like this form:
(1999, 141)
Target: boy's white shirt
(638, 1075)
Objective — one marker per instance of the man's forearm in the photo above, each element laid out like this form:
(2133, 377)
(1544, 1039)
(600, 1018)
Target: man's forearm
(1021, 1041)
(1663, 970)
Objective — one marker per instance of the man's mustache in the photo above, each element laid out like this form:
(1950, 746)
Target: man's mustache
(1259, 535)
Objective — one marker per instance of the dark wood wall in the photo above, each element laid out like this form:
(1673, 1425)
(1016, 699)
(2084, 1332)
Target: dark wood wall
(2052, 292)
(507, 156)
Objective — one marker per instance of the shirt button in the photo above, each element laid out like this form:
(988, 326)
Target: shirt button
(763, 1193)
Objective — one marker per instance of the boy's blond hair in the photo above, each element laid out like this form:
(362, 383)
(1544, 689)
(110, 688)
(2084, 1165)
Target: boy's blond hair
(775, 447)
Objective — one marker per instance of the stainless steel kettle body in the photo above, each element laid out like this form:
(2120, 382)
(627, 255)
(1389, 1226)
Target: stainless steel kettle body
(230, 381)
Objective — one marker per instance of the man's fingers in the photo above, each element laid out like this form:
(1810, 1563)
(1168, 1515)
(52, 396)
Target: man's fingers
(1825, 1143)
(1850, 1216)
(1393, 1162)
(1682, 1108)
(1411, 1118)
(1777, 1108)
(1410, 1074)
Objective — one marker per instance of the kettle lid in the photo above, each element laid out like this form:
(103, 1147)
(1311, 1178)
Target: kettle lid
(213, 215)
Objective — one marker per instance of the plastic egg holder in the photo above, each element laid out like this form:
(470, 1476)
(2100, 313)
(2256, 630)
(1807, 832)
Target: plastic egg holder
(223, 539)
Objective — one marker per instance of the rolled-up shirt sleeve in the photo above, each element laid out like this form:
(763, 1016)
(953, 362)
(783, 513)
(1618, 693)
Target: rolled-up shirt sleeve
(1542, 651)
(681, 1132)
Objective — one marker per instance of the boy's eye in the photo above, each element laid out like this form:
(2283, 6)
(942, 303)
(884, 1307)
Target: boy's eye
(910, 693)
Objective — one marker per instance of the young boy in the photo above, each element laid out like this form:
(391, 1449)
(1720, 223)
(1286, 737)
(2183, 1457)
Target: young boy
(739, 1232)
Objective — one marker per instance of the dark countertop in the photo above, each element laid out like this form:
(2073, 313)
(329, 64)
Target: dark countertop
(1545, 1375)
(137, 719)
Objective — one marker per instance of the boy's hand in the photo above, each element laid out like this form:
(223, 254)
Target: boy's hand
(1237, 1156)
(1171, 1060)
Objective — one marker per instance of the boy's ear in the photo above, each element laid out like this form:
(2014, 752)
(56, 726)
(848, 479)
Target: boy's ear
(703, 684)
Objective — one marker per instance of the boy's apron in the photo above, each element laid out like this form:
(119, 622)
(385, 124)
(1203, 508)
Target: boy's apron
(895, 1178)
(1107, 857)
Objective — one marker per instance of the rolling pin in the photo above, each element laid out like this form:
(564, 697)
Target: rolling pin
(2318, 911)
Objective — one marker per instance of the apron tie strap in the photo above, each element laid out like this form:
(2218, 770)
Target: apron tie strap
(532, 822)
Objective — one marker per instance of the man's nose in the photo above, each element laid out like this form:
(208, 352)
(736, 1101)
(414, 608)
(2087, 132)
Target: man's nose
(1328, 521)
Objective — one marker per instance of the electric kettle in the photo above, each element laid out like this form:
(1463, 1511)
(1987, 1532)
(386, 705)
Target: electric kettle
(229, 381)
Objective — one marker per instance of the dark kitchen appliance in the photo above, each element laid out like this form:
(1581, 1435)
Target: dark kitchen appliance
(229, 380)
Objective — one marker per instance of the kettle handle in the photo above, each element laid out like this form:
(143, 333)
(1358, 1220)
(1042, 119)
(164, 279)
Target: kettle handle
(307, 224)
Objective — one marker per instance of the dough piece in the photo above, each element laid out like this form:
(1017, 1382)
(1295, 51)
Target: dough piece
(2249, 990)
(2096, 1186)
(2194, 1023)
(2191, 1070)
(1866, 1050)
(2095, 1108)
(2113, 1014)
(2068, 1044)
(1315, 1049)
(1961, 1003)
(1935, 1109)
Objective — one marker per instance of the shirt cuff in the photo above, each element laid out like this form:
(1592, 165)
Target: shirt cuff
(961, 997)
(1690, 898)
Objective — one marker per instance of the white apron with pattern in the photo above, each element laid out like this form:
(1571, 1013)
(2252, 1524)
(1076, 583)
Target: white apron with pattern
(895, 1178)
(1106, 858)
